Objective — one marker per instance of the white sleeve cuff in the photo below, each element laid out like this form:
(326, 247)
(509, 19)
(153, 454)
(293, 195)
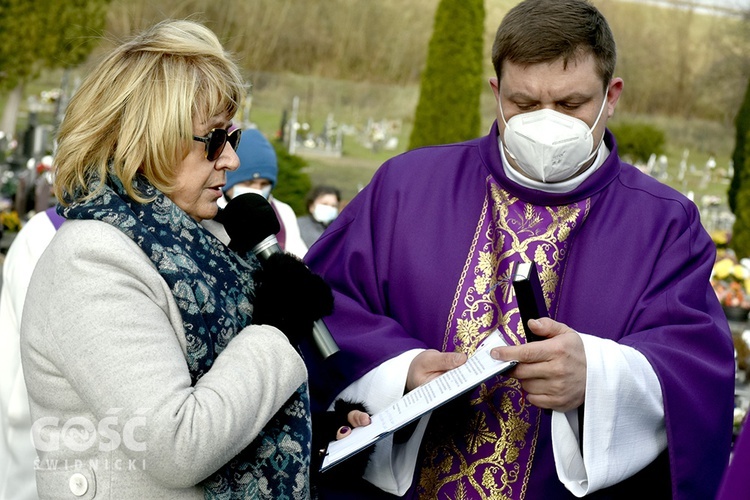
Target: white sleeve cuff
(391, 468)
(623, 427)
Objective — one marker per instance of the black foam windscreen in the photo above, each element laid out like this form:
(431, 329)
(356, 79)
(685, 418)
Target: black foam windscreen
(248, 220)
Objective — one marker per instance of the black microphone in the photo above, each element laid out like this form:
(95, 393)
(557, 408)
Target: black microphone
(251, 224)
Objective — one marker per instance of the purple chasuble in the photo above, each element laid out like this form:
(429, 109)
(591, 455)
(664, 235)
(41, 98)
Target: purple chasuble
(736, 482)
(56, 219)
(419, 258)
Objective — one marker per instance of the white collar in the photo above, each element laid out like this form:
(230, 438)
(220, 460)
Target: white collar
(565, 186)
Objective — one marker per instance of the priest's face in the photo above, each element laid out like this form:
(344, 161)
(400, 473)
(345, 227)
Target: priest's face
(574, 90)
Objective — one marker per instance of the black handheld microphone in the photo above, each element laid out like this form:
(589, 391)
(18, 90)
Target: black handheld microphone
(251, 224)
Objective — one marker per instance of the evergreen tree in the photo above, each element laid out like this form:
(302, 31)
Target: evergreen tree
(46, 34)
(293, 183)
(740, 155)
(740, 242)
(451, 86)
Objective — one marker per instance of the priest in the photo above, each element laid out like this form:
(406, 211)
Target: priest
(630, 388)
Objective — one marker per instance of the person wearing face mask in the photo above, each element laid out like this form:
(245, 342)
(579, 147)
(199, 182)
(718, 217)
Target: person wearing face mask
(323, 207)
(257, 173)
(630, 389)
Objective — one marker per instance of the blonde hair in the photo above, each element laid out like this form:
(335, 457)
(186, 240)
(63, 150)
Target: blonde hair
(134, 113)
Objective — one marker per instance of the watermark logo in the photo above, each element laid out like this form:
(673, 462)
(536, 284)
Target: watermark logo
(117, 464)
(81, 434)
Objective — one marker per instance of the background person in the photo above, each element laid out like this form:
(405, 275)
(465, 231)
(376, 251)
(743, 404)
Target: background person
(605, 405)
(257, 173)
(17, 454)
(146, 377)
(322, 204)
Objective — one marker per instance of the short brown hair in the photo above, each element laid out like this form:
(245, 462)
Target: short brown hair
(543, 31)
(319, 191)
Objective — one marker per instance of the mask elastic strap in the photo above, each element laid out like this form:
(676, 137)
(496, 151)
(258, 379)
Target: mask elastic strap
(598, 117)
(595, 151)
(502, 115)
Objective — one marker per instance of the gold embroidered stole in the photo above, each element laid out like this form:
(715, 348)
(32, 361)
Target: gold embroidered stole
(482, 446)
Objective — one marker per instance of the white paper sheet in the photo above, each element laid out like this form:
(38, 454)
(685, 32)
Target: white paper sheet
(425, 398)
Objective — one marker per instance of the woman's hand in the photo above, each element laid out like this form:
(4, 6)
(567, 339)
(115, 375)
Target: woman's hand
(356, 418)
(326, 425)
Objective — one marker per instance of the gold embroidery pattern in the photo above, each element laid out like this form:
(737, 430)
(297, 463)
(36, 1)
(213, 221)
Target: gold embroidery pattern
(462, 279)
(481, 459)
(482, 446)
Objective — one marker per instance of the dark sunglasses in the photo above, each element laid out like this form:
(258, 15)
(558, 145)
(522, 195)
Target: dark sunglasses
(217, 139)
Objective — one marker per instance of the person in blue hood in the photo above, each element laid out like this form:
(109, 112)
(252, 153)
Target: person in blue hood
(258, 173)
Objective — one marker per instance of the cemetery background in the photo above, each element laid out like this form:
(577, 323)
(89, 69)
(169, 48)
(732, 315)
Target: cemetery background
(339, 87)
(357, 63)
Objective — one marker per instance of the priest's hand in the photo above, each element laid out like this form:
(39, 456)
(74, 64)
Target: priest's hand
(430, 364)
(552, 371)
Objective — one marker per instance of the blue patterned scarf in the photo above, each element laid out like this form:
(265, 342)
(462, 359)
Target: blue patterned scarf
(213, 288)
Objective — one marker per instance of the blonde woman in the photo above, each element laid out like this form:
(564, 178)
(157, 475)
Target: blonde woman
(145, 375)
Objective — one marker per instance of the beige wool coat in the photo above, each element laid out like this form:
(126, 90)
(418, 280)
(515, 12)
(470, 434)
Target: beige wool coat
(104, 357)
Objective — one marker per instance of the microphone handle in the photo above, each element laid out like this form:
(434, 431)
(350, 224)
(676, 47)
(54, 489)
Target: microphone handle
(321, 335)
(323, 339)
(266, 248)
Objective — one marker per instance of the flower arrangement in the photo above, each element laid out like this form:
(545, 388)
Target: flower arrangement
(731, 282)
(720, 238)
(10, 221)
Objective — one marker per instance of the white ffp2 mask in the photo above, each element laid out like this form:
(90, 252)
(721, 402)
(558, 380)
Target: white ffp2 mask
(324, 213)
(549, 146)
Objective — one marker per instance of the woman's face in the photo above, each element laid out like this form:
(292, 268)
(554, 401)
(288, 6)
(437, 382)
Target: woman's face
(198, 182)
